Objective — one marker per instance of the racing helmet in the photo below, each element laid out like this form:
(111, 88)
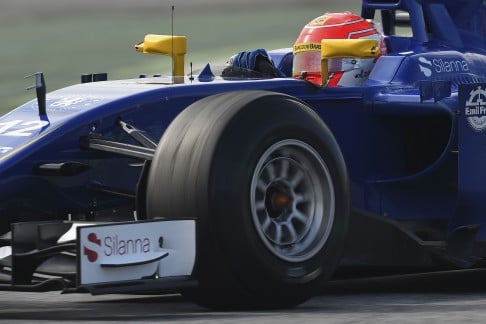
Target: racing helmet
(342, 71)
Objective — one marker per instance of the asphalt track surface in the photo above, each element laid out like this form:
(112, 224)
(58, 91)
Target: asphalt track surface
(447, 297)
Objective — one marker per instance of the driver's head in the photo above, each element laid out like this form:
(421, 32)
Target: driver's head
(342, 72)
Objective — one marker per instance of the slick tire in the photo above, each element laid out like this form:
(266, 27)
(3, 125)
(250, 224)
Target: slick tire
(265, 178)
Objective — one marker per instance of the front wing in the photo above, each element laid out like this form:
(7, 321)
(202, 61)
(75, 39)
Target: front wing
(101, 258)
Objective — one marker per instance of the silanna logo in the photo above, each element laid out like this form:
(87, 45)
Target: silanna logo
(113, 245)
(476, 109)
(442, 65)
(425, 66)
(91, 254)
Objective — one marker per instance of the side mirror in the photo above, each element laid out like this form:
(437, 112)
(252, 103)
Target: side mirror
(344, 48)
(173, 46)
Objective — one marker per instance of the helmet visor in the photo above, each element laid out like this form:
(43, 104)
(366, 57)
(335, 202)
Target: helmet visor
(308, 61)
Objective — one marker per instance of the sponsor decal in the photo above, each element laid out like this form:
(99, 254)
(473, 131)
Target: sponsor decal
(113, 245)
(475, 109)
(319, 21)
(442, 65)
(91, 254)
(135, 250)
(425, 66)
(448, 65)
(67, 104)
(304, 47)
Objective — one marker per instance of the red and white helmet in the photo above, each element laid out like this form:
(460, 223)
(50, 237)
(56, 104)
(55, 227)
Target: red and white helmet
(342, 72)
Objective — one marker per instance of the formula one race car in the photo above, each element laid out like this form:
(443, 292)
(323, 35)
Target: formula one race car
(246, 191)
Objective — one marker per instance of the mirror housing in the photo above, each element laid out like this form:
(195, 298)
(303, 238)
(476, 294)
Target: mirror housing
(173, 46)
(344, 48)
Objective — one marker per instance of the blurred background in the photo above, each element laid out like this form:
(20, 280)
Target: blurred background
(66, 38)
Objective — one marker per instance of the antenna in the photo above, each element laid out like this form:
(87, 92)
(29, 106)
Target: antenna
(172, 34)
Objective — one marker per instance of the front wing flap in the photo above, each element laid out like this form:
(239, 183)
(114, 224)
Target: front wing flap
(154, 255)
(135, 250)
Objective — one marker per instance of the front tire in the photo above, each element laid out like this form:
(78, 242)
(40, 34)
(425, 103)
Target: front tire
(267, 182)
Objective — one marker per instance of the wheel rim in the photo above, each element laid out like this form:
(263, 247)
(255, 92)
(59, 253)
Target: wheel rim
(292, 200)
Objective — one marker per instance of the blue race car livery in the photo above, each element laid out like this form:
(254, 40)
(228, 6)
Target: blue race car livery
(253, 191)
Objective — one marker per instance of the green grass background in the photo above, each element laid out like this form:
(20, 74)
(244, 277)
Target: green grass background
(67, 43)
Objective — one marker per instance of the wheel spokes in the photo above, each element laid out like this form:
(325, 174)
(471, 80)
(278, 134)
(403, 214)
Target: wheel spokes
(292, 200)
